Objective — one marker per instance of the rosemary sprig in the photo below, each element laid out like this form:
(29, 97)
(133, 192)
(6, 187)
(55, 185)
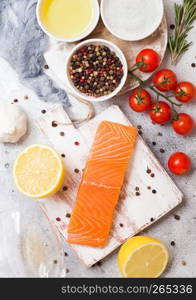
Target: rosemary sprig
(185, 14)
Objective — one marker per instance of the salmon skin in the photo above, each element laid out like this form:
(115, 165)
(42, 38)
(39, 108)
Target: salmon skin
(101, 184)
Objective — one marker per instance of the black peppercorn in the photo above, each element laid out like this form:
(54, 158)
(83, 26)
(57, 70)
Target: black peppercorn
(95, 70)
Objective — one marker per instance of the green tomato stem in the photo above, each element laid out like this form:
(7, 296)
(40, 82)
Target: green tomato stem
(151, 87)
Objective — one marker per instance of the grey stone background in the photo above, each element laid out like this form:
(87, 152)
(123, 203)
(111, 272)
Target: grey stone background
(182, 232)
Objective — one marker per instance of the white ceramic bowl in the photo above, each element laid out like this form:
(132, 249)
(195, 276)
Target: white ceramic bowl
(112, 47)
(132, 20)
(91, 27)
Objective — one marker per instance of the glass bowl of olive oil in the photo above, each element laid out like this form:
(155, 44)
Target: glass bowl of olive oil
(68, 20)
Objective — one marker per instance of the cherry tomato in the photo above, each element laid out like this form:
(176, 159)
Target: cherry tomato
(183, 125)
(140, 100)
(179, 163)
(185, 91)
(160, 112)
(165, 80)
(147, 60)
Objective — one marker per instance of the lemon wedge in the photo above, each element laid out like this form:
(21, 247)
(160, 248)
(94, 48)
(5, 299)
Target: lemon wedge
(38, 171)
(142, 257)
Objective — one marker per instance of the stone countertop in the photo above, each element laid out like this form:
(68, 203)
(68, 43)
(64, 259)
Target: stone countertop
(180, 230)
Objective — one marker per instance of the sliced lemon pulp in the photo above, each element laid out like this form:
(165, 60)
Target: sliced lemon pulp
(142, 257)
(38, 171)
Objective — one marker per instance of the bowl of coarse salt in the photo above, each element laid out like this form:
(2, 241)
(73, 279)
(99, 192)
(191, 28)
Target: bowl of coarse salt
(132, 20)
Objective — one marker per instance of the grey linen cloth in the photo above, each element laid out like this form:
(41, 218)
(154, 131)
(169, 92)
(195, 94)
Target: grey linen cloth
(22, 44)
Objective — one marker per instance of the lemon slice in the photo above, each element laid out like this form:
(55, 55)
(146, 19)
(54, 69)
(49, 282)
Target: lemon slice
(38, 171)
(142, 257)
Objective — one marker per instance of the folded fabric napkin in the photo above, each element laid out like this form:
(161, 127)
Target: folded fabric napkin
(23, 44)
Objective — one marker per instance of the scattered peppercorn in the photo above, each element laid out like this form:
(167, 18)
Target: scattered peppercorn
(137, 193)
(62, 155)
(154, 143)
(172, 26)
(65, 188)
(43, 111)
(152, 175)
(172, 243)
(154, 191)
(140, 132)
(15, 100)
(77, 143)
(55, 261)
(58, 219)
(137, 188)
(193, 65)
(65, 253)
(54, 124)
(183, 262)
(46, 67)
(162, 150)
(139, 127)
(121, 225)
(26, 97)
(148, 171)
(152, 219)
(99, 263)
(160, 134)
(62, 133)
(177, 217)
(67, 271)
(95, 70)
(149, 187)
(68, 215)
(77, 171)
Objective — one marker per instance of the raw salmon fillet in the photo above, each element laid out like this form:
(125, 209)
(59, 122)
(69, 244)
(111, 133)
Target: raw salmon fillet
(101, 184)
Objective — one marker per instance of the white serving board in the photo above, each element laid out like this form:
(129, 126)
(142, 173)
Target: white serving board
(133, 213)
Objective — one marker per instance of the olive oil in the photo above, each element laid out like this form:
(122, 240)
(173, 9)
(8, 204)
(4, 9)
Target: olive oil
(66, 18)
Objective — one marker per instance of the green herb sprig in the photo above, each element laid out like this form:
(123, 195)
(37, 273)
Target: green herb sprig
(185, 14)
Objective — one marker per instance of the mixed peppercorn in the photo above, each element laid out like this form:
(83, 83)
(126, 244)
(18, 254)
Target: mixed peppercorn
(95, 70)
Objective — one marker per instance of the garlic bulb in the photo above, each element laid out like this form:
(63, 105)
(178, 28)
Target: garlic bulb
(13, 122)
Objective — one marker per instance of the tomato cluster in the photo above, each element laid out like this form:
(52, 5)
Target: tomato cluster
(161, 112)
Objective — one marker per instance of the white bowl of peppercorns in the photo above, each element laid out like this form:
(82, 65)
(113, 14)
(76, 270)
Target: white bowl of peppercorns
(96, 70)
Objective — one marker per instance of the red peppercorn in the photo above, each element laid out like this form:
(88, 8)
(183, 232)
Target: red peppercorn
(77, 143)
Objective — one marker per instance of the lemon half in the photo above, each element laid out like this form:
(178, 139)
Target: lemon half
(142, 257)
(38, 171)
